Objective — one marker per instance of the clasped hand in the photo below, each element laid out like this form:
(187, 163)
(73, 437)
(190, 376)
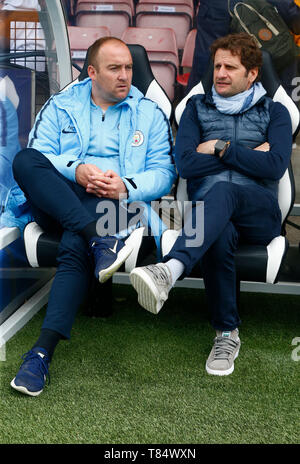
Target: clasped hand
(106, 184)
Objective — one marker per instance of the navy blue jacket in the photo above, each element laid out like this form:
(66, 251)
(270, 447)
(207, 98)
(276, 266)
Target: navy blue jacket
(264, 122)
(213, 21)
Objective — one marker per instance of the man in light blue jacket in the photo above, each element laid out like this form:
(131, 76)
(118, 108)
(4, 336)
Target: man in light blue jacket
(98, 145)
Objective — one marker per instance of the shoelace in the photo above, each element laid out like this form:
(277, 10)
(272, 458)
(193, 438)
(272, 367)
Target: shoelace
(224, 347)
(159, 274)
(41, 367)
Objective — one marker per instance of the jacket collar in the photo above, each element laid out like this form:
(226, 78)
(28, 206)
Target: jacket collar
(76, 97)
(207, 98)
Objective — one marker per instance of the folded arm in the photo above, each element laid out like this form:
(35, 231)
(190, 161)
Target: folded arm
(271, 159)
(193, 157)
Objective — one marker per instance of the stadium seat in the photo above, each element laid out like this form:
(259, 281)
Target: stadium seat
(255, 263)
(177, 15)
(161, 47)
(187, 58)
(114, 14)
(144, 80)
(80, 39)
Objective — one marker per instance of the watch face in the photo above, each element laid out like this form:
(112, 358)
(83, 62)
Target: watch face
(219, 146)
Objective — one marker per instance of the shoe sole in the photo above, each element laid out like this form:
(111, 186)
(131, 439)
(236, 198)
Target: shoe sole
(148, 296)
(107, 273)
(24, 390)
(222, 372)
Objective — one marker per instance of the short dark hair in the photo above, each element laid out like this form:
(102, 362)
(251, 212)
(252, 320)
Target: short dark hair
(95, 47)
(241, 44)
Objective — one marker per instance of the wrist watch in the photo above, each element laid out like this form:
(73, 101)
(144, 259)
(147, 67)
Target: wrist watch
(220, 147)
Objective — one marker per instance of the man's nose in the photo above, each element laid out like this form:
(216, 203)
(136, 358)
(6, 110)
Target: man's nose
(221, 73)
(122, 74)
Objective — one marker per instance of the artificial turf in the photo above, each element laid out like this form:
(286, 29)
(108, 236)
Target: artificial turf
(139, 378)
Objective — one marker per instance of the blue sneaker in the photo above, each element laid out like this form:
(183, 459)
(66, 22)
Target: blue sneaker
(109, 254)
(33, 372)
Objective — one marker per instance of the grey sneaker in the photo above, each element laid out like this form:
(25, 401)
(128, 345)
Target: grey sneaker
(152, 284)
(224, 352)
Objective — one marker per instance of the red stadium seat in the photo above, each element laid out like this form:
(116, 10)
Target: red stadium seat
(80, 39)
(177, 15)
(161, 47)
(114, 14)
(187, 58)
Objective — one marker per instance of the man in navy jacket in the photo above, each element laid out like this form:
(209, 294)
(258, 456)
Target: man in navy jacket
(233, 145)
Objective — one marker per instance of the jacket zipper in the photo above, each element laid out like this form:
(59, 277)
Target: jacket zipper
(77, 131)
(234, 138)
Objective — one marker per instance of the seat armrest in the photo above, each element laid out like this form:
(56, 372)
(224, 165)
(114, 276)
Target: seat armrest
(168, 239)
(135, 240)
(276, 250)
(8, 235)
(32, 233)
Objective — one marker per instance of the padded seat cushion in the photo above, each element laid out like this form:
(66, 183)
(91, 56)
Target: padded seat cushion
(254, 263)
(42, 248)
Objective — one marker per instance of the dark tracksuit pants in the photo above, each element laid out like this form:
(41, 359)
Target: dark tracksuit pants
(232, 213)
(58, 204)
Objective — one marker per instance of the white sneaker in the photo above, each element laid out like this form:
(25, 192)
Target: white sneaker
(224, 351)
(152, 284)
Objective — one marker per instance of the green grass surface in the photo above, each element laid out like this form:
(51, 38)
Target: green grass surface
(140, 378)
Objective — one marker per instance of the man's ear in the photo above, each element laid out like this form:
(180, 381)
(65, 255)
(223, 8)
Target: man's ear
(252, 74)
(91, 71)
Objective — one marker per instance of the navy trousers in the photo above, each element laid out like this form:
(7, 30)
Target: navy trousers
(58, 204)
(232, 214)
